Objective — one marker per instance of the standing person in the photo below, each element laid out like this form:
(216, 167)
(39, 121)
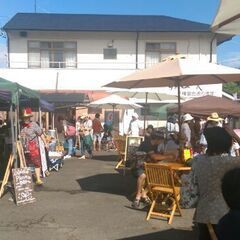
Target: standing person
(134, 126)
(29, 135)
(80, 132)
(186, 130)
(149, 131)
(234, 152)
(212, 121)
(97, 131)
(87, 136)
(207, 172)
(172, 125)
(70, 135)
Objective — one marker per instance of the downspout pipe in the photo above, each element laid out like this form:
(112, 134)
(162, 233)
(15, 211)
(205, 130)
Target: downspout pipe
(8, 50)
(137, 39)
(211, 47)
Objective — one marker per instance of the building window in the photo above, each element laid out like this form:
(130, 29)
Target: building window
(52, 54)
(110, 53)
(156, 52)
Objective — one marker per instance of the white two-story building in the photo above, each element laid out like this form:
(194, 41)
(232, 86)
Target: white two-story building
(64, 53)
(84, 52)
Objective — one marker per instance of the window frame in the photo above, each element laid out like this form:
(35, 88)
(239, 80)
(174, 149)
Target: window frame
(160, 50)
(52, 50)
(105, 49)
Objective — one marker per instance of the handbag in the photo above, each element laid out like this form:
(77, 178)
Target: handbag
(187, 154)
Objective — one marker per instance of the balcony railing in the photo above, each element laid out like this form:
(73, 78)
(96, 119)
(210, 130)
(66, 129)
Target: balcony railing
(108, 65)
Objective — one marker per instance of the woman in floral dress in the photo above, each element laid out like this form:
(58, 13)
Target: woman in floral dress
(29, 136)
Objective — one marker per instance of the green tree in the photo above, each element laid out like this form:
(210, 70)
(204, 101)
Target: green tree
(232, 87)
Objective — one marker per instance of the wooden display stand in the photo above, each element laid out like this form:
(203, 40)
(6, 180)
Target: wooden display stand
(129, 146)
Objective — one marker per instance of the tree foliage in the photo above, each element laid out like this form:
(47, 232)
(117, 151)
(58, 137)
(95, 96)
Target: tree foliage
(231, 87)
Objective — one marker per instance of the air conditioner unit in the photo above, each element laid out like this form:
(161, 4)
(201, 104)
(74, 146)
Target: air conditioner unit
(23, 34)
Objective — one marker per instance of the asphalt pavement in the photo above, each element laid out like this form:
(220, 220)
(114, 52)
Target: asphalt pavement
(87, 199)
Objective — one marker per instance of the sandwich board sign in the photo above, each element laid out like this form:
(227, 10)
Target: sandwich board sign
(23, 186)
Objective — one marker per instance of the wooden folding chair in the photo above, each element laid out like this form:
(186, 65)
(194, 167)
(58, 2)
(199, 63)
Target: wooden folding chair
(120, 143)
(165, 195)
(211, 232)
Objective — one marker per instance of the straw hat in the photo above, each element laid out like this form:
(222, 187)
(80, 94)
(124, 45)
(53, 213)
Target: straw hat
(187, 117)
(27, 112)
(214, 117)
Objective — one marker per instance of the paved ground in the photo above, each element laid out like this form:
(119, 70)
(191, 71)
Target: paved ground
(87, 199)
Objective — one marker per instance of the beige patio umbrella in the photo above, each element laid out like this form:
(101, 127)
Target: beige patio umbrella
(178, 72)
(227, 19)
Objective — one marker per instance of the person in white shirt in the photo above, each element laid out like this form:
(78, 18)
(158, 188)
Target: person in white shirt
(172, 125)
(234, 151)
(134, 126)
(186, 130)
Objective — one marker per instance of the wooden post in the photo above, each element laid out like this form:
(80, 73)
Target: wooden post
(47, 121)
(21, 154)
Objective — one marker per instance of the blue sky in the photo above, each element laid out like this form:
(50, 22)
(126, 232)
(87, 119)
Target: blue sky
(201, 11)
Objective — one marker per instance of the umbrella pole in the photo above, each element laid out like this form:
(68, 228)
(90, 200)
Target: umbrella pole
(113, 108)
(179, 105)
(53, 120)
(113, 114)
(145, 112)
(40, 116)
(181, 147)
(13, 136)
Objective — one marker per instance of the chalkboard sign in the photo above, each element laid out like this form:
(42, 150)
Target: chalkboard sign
(132, 145)
(22, 180)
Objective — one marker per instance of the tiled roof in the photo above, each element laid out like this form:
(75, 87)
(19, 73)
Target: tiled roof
(113, 23)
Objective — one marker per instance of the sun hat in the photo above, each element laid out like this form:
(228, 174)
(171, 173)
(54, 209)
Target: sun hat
(187, 117)
(135, 115)
(27, 112)
(214, 117)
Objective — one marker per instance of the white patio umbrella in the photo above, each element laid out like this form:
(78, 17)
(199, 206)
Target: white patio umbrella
(227, 19)
(115, 102)
(146, 95)
(178, 72)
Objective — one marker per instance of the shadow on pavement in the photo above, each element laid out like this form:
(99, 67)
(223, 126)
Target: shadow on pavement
(171, 234)
(112, 183)
(106, 157)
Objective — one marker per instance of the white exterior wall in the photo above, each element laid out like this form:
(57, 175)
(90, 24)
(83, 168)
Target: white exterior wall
(92, 70)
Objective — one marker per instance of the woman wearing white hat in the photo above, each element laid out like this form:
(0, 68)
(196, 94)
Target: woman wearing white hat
(185, 129)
